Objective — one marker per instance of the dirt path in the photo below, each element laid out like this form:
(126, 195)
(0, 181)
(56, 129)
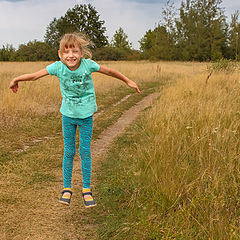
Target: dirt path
(45, 218)
(109, 134)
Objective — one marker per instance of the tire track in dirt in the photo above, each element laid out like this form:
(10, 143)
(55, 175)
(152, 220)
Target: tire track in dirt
(107, 137)
(96, 115)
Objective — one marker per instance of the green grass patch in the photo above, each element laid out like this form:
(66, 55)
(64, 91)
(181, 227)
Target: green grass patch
(39, 178)
(5, 156)
(125, 202)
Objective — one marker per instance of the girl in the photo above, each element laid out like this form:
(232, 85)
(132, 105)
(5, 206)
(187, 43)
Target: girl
(78, 105)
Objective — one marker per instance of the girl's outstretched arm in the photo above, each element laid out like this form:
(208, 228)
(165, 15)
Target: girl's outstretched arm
(27, 77)
(113, 73)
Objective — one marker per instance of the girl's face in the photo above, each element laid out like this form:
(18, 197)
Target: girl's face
(71, 57)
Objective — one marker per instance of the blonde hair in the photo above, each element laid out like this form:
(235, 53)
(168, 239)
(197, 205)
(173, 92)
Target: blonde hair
(70, 40)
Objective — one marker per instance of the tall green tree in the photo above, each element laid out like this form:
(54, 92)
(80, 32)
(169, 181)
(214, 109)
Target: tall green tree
(234, 36)
(155, 44)
(160, 42)
(81, 18)
(168, 21)
(7, 53)
(120, 40)
(201, 30)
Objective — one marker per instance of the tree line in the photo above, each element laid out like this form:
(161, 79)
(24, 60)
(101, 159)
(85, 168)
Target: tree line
(197, 31)
(200, 32)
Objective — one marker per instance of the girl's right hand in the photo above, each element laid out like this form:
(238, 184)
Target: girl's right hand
(14, 86)
(133, 85)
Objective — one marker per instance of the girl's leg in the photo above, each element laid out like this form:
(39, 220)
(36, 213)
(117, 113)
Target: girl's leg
(85, 132)
(69, 132)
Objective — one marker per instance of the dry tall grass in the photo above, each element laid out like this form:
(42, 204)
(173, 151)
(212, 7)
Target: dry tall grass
(190, 156)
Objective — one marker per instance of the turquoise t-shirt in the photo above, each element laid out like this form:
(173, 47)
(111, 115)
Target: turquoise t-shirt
(77, 89)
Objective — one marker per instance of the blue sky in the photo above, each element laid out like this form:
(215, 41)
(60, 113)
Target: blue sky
(22, 21)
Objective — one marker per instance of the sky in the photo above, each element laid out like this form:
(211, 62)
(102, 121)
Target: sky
(22, 21)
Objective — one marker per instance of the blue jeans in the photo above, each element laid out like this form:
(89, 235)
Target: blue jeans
(69, 126)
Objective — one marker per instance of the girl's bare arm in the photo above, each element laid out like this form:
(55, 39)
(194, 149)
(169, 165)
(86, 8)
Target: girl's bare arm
(27, 77)
(113, 73)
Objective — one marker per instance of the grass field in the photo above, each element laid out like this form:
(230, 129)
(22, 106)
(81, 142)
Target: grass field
(173, 175)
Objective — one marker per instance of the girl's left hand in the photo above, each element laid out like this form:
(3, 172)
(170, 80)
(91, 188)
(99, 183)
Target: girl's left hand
(133, 85)
(14, 86)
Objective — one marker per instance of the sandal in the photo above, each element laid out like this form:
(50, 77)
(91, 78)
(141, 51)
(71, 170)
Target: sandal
(88, 200)
(65, 200)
